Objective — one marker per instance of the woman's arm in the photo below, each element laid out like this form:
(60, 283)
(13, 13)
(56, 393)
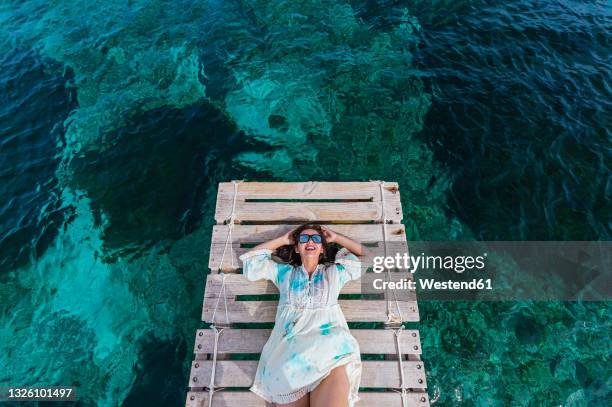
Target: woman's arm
(344, 241)
(275, 243)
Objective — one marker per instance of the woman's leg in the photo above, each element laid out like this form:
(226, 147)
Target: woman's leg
(333, 391)
(301, 402)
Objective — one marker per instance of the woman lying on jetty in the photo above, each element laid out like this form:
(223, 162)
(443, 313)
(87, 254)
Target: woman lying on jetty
(311, 358)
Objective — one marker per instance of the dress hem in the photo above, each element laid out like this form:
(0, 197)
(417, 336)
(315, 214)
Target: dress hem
(303, 391)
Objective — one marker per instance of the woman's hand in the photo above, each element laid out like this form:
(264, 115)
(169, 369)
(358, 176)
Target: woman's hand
(329, 235)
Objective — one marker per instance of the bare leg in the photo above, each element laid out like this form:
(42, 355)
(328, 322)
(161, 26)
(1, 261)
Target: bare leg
(333, 391)
(301, 402)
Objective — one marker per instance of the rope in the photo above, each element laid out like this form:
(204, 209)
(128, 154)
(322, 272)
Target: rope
(222, 292)
(223, 275)
(230, 222)
(390, 317)
(397, 332)
(211, 386)
(217, 333)
(228, 242)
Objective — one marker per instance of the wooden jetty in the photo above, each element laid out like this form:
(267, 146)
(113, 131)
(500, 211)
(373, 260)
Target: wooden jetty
(248, 213)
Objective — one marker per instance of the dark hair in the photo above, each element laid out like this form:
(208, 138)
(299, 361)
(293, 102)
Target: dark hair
(288, 255)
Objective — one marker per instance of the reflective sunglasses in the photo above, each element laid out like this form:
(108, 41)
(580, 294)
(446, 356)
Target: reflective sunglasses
(304, 238)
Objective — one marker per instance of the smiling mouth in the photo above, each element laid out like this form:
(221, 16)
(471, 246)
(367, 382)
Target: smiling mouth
(310, 248)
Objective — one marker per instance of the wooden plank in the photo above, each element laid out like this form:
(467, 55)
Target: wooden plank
(371, 341)
(265, 311)
(241, 373)
(308, 190)
(232, 263)
(237, 284)
(249, 399)
(254, 234)
(300, 212)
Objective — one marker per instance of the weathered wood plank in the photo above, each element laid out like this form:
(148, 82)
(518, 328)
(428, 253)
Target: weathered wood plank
(298, 212)
(371, 341)
(265, 311)
(308, 190)
(375, 373)
(253, 234)
(249, 399)
(237, 284)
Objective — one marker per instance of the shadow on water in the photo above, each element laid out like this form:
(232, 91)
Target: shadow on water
(160, 373)
(153, 177)
(34, 104)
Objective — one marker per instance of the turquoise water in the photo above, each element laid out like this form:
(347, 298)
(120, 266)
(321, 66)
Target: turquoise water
(118, 119)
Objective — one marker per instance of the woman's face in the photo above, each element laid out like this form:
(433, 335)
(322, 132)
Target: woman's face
(309, 249)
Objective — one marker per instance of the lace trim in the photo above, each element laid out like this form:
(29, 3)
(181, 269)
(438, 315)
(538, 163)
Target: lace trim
(313, 305)
(295, 395)
(290, 397)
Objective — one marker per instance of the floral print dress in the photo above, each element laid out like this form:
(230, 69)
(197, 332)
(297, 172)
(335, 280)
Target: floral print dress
(310, 335)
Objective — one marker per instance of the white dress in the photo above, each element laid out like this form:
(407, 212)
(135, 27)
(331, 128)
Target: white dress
(310, 335)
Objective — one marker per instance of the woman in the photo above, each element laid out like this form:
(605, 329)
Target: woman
(310, 359)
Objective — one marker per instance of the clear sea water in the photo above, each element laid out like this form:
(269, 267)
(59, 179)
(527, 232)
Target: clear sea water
(119, 118)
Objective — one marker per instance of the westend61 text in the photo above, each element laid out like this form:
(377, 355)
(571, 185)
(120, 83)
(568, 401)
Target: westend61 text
(431, 284)
(457, 263)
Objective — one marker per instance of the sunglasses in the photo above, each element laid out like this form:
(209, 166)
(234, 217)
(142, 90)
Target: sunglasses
(304, 238)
